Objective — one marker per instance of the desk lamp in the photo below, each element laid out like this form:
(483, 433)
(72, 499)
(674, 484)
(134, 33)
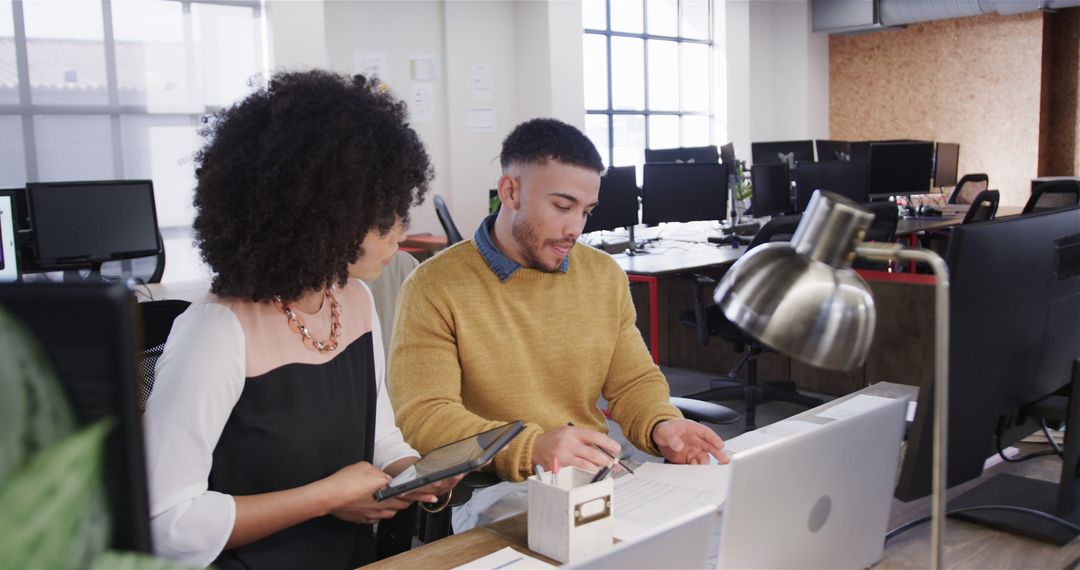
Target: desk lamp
(803, 299)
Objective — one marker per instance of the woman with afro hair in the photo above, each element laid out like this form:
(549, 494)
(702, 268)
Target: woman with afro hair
(269, 425)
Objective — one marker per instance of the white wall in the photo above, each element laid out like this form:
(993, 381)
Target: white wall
(777, 72)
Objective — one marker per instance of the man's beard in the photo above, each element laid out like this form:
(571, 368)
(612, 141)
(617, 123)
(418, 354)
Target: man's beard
(531, 246)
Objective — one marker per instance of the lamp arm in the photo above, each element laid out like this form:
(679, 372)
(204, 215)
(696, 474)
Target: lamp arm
(884, 252)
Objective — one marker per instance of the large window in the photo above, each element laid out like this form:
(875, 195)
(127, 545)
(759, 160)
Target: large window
(648, 68)
(116, 89)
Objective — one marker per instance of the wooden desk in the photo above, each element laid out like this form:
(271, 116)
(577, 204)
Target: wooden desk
(667, 258)
(967, 545)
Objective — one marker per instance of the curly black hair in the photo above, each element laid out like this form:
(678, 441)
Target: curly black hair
(295, 175)
(538, 140)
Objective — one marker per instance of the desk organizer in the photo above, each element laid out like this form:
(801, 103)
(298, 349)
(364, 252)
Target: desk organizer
(570, 518)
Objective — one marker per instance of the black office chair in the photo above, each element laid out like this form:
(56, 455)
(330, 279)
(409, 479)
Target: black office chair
(968, 187)
(983, 207)
(709, 321)
(1052, 195)
(452, 234)
(157, 321)
(882, 229)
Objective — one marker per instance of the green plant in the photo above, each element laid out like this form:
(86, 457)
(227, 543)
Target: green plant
(742, 188)
(52, 507)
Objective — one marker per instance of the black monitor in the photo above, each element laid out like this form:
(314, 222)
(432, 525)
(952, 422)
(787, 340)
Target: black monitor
(82, 224)
(831, 151)
(860, 150)
(788, 152)
(618, 203)
(88, 333)
(727, 156)
(845, 178)
(674, 192)
(771, 184)
(946, 160)
(900, 168)
(1013, 337)
(22, 210)
(695, 154)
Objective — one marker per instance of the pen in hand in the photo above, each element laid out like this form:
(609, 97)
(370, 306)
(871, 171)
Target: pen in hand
(607, 453)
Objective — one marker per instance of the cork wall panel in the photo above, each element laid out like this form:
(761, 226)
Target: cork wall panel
(1060, 132)
(974, 81)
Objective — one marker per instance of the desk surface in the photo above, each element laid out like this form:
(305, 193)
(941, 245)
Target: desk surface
(967, 545)
(668, 256)
(908, 226)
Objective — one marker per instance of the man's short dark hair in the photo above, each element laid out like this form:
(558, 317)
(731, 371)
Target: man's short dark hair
(539, 140)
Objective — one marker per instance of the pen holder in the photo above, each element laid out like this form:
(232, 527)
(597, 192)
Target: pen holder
(570, 518)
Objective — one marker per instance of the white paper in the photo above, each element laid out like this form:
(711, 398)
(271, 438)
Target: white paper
(658, 493)
(854, 407)
(370, 64)
(422, 103)
(506, 558)
(425, 68)
(480, 120)
(483, 83)
(912, 407)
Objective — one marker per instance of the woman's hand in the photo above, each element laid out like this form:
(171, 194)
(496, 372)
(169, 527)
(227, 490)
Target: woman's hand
(431, 493)
(351, 489)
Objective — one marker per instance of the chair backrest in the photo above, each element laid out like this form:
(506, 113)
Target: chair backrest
(452, 234)
(158, 317)
(983, 208)
(968, 187)
(778, 228)
(886, 216)
(1053, 195)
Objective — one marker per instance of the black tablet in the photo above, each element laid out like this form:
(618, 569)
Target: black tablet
(451, 459)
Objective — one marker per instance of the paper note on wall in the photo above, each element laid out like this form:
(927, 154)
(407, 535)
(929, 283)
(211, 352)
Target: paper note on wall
(480, 120)
(422, 103)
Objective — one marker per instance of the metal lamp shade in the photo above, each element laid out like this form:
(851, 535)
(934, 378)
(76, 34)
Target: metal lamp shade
(803, 298)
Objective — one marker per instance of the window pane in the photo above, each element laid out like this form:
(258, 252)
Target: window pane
(663, 131)
(151, 63)
(695, 19)
(596, 128)
(161, 149)
(663, 75)
(227, 51)
(695, 130)
(66, 52)
(594, 14)
(629, 140)
(663, 17)
(595, 67)
(9, 75)
(73, 147)
(627, 16)
(695, 77)
(627, 73)
(13, 163)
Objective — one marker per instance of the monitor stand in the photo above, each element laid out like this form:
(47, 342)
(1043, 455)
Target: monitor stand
(1061, 499)
(76, 276)
(634, 249)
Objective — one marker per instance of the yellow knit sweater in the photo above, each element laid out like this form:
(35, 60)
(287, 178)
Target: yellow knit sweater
(470, 353)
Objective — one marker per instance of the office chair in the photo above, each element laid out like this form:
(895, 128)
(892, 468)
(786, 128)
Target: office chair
(968, 187)
(710, 321)
(983, 207)
(452, 234)
(882, 229)
(1052, 195)
(157, 319)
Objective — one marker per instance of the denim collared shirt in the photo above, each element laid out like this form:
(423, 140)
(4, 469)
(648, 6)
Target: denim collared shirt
(503, 266)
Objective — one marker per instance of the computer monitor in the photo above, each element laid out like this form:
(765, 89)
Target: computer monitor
(1013, 337)
(900, 168)
(21, 208)
(694, 154)
(788, 152)
(494, 203)
(830, 151)
(9, 258)
(674, 192)
(845, 178)
(771, 185)
(82, 224)
(618, 203)
(727, 156)
(946, 159)
(860, 150)
(87, 332)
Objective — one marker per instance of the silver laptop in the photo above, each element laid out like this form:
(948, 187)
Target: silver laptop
(802, 494)
(819, 499)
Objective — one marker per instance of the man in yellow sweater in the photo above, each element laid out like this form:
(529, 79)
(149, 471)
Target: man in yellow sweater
(521, 323)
